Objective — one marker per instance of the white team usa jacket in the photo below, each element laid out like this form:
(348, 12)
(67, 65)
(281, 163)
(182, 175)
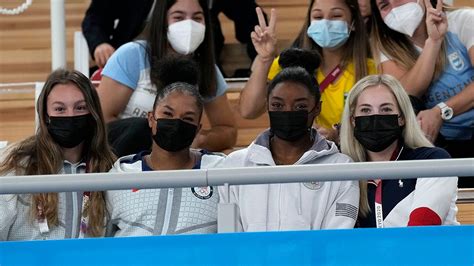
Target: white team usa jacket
(147, 212)
(17, 224)
(293, 206)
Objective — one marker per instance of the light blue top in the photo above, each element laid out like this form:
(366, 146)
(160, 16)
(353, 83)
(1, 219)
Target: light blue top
(129, 66)
(457, 75)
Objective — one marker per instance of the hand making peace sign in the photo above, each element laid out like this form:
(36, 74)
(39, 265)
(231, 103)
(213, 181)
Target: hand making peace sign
(436, 20)
(263, 37)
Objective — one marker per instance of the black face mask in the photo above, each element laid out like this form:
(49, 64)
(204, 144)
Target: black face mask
(289, 125)
(70, 131)
(174, 134)
(377, 132)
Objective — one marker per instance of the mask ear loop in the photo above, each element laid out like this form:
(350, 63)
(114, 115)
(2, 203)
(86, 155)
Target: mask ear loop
(400, 116)
(48, 120)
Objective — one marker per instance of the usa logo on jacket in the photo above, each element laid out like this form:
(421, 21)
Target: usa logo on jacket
(203, 193)
(313, 185)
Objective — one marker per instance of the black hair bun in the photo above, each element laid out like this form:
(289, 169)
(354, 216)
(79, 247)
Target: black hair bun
(171, 69)
(297, 57)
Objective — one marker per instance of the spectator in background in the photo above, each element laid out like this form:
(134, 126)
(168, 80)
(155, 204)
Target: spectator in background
(431, 51)
(365, 10)
(70, 139)
(242, 13)
(379, 125)
(336, 30)
(173, 122)
(108, 24)
(293, 103)
(129, 83)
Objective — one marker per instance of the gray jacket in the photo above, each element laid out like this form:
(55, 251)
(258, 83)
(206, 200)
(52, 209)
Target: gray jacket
(16, 222)
(170, 211)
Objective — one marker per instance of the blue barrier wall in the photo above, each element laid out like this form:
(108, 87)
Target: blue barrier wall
(397, 246)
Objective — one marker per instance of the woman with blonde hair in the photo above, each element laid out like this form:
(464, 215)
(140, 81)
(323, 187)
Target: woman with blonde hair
(379, 124)
(429, 47)
(71, 138)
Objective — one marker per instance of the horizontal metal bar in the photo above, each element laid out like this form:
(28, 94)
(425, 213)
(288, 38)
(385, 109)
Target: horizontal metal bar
(101, 181)
(238, 176)
(341, 172)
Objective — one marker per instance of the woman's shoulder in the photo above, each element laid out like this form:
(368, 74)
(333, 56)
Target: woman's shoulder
(459, 19)
(340, 158)
(8, 198)
(135, 50)
(460, 14)
(460, 23)
(128, 163)
(19, 168)
(370, 63)
(210, 159)
(426, 153)
(236, 158)
(133, 46)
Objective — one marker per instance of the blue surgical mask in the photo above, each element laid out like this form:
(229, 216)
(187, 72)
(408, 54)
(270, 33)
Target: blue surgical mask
(329, 33)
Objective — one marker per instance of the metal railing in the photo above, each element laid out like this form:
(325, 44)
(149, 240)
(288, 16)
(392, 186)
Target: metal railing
(237, 176)
(227, 212)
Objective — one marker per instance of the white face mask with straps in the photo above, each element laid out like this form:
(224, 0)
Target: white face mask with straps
(405, 18)
(186, 36)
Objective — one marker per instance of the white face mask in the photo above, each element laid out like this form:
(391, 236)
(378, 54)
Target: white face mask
(405, 18)
(186, 36)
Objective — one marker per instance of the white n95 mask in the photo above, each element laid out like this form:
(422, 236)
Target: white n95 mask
(186, 36)
(405, 18)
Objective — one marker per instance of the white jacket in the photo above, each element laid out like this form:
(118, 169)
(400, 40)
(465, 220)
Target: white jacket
(294, 206)
(147, 212)
(15, 214)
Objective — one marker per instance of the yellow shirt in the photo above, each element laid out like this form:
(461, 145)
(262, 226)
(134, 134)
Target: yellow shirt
(334, 95)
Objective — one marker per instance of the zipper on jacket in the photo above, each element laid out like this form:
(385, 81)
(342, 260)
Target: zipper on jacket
(76, 205)
(169, 205)
(75, 218)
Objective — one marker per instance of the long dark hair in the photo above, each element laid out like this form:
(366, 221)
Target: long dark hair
(40, 154)
(356, 47)
(157, 46)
